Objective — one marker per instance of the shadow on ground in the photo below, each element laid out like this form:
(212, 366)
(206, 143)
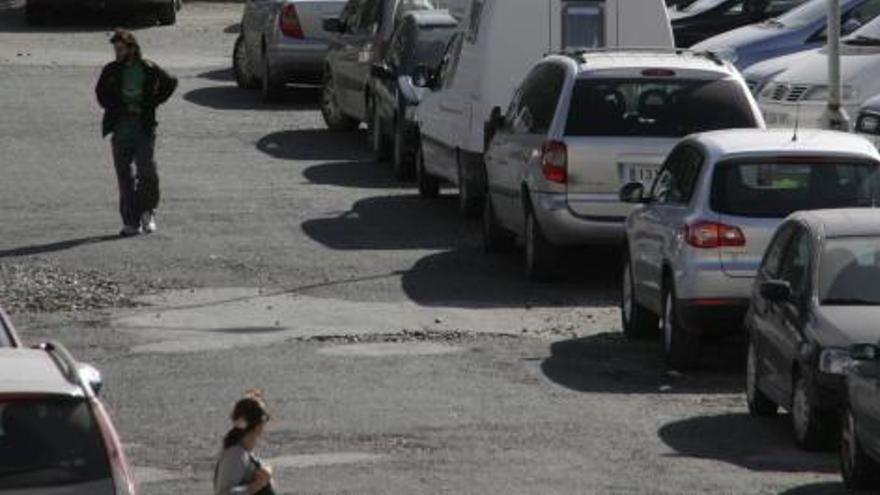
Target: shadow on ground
(12, 20)
(53, 247)
(818, 489)
(357, 174)
(610, 363)
(769, 448)
(220, 75)
(230, 97)
(317, 145)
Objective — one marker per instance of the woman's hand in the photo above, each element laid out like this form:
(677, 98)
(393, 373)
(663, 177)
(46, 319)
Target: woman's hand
(262, 478)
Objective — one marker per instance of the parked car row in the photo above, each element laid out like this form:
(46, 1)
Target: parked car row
(40, 12)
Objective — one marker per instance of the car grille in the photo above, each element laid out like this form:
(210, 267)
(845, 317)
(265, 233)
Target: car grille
(787, 92)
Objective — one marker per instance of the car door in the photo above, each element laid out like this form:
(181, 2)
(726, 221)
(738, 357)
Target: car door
(784, 331)
(656, 226)
(443, 116)
(347, 54)
(522, 145)
(385, 91)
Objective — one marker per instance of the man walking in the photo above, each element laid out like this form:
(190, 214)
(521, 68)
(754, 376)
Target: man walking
(129, 90)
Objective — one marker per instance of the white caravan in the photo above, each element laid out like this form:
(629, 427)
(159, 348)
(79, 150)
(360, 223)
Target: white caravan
(497, 43)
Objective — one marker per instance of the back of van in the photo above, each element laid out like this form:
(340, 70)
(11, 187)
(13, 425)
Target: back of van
(619, 124)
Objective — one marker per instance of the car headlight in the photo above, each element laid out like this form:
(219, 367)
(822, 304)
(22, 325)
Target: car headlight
(820, 93)
(728, 54)
(835, 361)
(868, 124)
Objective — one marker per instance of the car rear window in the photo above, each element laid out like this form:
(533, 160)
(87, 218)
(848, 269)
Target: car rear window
(657, 107)
(849, 270)
(776, 190)
(49, 442)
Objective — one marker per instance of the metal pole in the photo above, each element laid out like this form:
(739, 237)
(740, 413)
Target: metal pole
(835, 116)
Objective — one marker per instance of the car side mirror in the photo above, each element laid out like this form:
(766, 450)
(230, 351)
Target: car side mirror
(495, 123)
(634, 192)
(864, 352)
(776, 290)
(868, 124)
(381, 71)
(90, 375)
(424, 77)
(334, 25)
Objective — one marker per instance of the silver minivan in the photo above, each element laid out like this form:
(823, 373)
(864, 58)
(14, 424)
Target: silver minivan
(697, 238)
(582, 125)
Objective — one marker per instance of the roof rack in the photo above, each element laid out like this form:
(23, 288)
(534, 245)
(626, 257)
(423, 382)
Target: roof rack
(72, 370)
(582, 53)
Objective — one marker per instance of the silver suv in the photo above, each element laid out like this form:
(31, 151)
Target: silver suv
(582, 125)
(695, 242)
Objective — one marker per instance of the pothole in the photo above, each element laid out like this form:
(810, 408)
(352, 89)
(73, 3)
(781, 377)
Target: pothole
(384, 349)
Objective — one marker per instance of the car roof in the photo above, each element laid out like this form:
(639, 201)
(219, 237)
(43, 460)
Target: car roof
(765, 142)
(32, 371)
(427, 18)
(617, 58)
(841, 222)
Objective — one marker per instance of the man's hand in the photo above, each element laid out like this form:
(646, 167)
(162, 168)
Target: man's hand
(262, 478)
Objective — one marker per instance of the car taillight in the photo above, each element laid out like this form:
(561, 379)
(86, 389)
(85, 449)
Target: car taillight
(708, 235)
(554, 161)
(123, 477)
(289, 22)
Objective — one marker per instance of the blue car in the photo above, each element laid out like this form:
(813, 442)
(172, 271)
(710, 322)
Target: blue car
(802, 28)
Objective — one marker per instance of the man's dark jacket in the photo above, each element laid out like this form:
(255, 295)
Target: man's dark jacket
(158, 87)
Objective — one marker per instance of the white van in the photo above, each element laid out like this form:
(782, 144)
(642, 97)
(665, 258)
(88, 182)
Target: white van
(497, 44)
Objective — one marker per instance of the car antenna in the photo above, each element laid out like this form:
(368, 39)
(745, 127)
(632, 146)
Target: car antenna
(797, 122)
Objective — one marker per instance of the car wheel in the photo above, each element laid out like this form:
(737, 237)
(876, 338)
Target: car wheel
(860, 471)
(429, 186)
(241, 66)
(469, 201)
(271, 90)
(540, 254)
(333, 116)
(496, 239)
(759, 404)
(35, 15)
(682, 346)
(638, 321)
(403, 155)
(378, 141)
(167, 14)
(809, 423)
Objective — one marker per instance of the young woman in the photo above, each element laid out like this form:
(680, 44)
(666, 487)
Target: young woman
(238, 471)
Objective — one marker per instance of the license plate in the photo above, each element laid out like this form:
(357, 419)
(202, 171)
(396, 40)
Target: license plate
(639, 173)
(777, 119)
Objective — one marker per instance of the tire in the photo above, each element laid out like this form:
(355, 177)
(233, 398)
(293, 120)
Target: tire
(241, 66)
(271, 90)
(859, 470)
(681, 345)
(167, 13)
(810, 425)
(759, 404)
(403, 156)
(540, 254)
(496, 239)
(637, 321)
(378, 141)
(429, 186)
(470, 202)
(35, 15)
(333, 116)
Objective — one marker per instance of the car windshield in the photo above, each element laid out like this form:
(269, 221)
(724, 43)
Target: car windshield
(702, 6)
(849, 272)
(428, 49)
(803, 15)
(49, 442)
(656, 107)
(871, 30)
(775, 190)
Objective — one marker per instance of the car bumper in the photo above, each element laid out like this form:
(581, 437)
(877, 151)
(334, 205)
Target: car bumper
(564, 227)
(699, 278)
(298, 60)
(706, 314)
(829, 391)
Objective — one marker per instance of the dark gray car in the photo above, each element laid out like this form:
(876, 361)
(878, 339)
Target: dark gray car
(817, 293)
(420, 40)
(860, 438)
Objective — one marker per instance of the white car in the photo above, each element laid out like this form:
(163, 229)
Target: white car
(497, 43)
(798, 92)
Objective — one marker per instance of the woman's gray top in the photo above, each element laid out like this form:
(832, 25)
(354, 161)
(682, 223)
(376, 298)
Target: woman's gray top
(235, 470)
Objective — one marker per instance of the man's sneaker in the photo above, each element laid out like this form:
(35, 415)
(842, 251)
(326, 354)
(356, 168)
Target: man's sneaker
(148, 222)
(129, 231)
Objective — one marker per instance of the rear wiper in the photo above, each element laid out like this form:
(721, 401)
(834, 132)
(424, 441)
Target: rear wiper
(854, 301)
(863, 40)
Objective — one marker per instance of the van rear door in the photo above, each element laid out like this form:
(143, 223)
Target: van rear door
(592, 24)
